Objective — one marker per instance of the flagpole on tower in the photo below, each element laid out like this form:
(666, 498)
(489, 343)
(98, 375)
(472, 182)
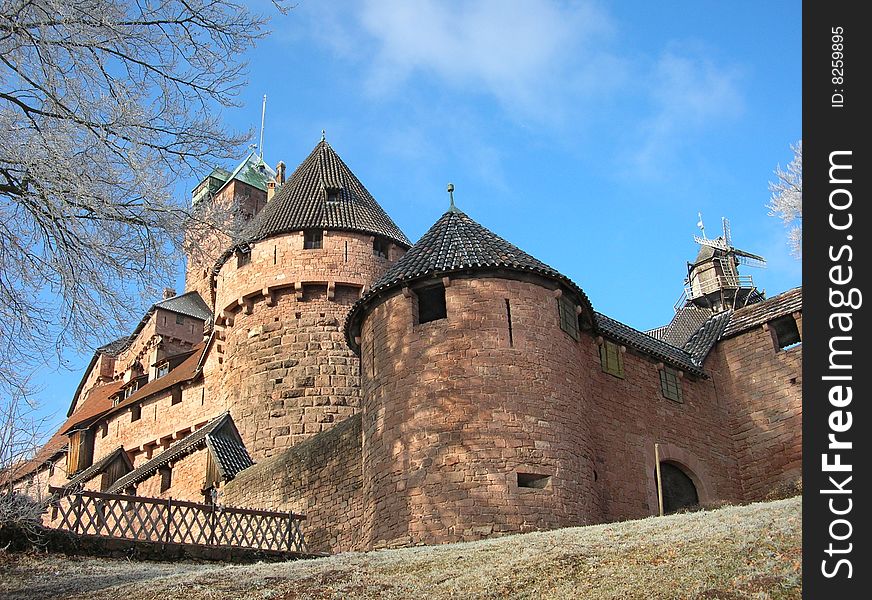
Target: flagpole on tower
(262, 121)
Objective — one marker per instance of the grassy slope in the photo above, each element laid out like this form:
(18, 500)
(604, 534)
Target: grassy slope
(738, 552)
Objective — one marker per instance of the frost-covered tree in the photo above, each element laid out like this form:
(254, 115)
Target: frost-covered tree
(104, 105)
(786, 197)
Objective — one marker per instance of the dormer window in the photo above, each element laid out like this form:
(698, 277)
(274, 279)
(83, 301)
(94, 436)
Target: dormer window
(332, 194)
(313, 239)
(163, 369)
(128, 391)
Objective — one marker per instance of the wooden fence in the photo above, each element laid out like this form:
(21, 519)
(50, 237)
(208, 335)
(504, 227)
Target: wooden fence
(169, 521)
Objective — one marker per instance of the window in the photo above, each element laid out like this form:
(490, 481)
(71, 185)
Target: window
(431, 303)
(166, 478)
(785, 332)
(313, 239)
(380, 248)
(670, 384)
(135, 413)
(104, 429)
(163, 369)
(332, 194)
(177, 395)
(128, 391)
(179, 319)
(612, 359)
(242, 259)
(533, 480)
(568, 316)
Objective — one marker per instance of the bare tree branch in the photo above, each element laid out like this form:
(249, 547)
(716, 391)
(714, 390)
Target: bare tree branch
(104, 106)
(786, 198)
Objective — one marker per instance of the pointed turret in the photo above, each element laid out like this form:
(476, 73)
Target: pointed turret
(323, 193)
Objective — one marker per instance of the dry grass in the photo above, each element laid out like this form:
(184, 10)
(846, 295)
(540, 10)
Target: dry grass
(733, 553)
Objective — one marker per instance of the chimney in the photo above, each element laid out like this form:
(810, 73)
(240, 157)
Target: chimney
(169, 293)
(280, 172)
(270, 190)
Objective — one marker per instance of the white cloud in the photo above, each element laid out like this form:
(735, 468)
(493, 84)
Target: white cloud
(530, 56)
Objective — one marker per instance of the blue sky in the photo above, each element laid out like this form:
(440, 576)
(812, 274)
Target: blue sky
(587, 133)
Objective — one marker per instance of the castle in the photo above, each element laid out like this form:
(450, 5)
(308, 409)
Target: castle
(446, 390)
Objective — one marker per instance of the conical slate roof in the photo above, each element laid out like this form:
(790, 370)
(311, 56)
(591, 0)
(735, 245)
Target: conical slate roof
(456, 243)
(302, 202)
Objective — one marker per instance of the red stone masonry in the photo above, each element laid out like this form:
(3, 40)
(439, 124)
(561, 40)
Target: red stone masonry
(283, 368)
(453, 412)
(762, 387)
(320, 478)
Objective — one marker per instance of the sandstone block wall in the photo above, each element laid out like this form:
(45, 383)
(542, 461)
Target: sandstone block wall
(454, 410)
(320, 478)
(628, 416)
(161, 423)
(187, 480)
(281, 261)
(284, 369)
(763, 388)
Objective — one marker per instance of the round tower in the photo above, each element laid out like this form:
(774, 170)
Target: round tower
(474, 422)
(281, 297)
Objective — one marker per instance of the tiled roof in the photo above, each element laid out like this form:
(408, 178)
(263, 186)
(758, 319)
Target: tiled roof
(686, 321)
(97, 403)
(184, 372)
(703, 340)
(761, 312)
(85, 475)
(55, 445)
(219, 435)
(189, 304)
(645, 343)
(456, 243)
(301, 203)
(112, 349)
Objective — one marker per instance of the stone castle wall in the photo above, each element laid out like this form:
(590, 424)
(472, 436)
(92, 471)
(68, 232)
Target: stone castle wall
(286, 372)
(320, 478)
(454, 411)
(762, 386)
(629, 415)
(160, 423)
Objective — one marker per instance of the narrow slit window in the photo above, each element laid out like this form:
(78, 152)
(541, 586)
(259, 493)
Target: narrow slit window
(431, 303)
(313, 239)
(670, 384)
(509, 321)
(536, 481)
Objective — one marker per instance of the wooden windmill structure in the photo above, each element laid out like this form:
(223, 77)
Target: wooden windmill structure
(713, 279)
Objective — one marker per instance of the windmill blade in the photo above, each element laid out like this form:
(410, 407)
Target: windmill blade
(750, 260)
(718, 243)
(728, 239)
